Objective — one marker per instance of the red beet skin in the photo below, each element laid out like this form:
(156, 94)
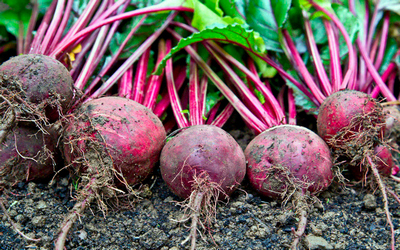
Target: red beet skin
(338, 110)
(44, 79)
(127, 131)
(38, 150)
(298, 151)
(202, 148)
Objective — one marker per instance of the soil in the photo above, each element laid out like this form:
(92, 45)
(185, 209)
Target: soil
(350, 217)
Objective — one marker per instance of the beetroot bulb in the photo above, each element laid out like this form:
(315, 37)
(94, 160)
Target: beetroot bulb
(111, 143)
(202, 164)
(35, 88)
(289, 162)
(34, 91)
(353, 125)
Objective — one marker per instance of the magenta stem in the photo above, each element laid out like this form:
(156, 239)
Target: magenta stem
(223, 117)
(164, 103)
(374, 73)
(31, 26)
(173, 93)
(335, 65)
(247, 115)
(349, 79)
(249, 98)
(195, 115)
(125, 84)
(154, 85)
(147, 10)
(140, 77)
(302, 69)
(114, 58)
(128, 62)
(319, 67)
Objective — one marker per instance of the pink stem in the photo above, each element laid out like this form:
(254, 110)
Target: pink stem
(86, 71)
(140, 77)
(153, 88)
(194, 95)
(348, 78)
(336, 71)
(31, 26)
(51, 31)
(374, 73)
(319, 67)
(173, 93)
(114, 58)
(253, 122)
(128, 62)
(292, 107)
(147, 10)
(125, 87)
(37, 40)
(303, 69)
(203, 96)
(250, 99)
(223, 117)
(164, 103)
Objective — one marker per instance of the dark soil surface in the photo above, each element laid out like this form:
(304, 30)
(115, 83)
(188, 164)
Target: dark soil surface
(345, 218)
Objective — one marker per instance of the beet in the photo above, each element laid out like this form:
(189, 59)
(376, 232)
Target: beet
(202, 164)
(290, 163)
(125, 130)
(27, 154)
(45, 82)
(288, 157)
(198, 149)
(344, 110)
(113, 143)
(353, 125)
(392, 122)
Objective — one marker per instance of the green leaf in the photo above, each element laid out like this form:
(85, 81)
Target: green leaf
(211, 99)
(214, 6)
(260, 16)
(281, 9)
(234, 34)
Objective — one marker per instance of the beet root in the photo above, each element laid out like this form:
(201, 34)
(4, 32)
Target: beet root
(202, 164)
(353, 125)
(33, 89)
(392, 122)
(289, 162)
(286, 157)
(44, 81)
(110, 141)
(27, 154)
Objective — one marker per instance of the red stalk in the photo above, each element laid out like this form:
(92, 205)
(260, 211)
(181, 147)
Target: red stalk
(147, 10)
(247, 115)
(173, 93)
(114, 58)
(125, 84)
(164, 103)
(140, 77)
(303, 69)
(336, 71)
(155, 81)
(194, 89)
(128, 62)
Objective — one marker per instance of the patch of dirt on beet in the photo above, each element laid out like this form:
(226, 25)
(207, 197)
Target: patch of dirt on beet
(351, 218)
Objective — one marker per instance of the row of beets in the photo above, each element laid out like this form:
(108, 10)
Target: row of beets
(113, 143)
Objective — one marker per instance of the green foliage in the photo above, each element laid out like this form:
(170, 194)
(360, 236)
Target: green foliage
(14, 14)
